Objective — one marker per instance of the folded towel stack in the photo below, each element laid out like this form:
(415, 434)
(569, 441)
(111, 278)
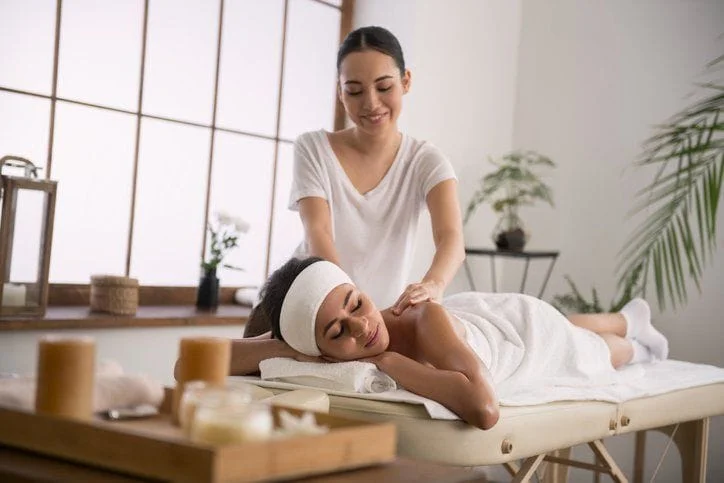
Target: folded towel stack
(354, 376)
(113, 390)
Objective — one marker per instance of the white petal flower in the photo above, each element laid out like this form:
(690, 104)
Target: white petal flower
(304, 425)
(242, 226)
(224, 218)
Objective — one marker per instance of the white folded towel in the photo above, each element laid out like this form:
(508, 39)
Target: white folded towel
(112, 390)
(248, 296)
(354, 376)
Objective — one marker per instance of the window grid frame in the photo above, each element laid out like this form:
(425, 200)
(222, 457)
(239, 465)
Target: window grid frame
(346, 9)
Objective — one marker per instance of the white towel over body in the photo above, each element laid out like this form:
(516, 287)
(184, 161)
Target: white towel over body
(528, 345)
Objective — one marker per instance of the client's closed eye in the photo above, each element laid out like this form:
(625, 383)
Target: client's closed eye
(339, 334)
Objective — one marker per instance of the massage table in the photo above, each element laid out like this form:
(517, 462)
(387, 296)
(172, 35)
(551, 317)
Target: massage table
(546, 432)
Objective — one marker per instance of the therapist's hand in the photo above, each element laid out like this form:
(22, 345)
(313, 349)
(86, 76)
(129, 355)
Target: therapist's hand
(416, 293)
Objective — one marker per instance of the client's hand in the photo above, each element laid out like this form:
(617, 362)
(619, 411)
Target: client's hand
(416, 293)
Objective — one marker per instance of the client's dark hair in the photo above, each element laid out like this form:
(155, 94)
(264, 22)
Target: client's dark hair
(265, 316)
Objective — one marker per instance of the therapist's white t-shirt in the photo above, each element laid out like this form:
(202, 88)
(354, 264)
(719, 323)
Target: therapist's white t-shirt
(374, 233)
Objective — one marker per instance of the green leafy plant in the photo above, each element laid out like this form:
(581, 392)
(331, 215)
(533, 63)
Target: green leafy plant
(517, 182)
(575, 302)
(224, 231)
(677, 238)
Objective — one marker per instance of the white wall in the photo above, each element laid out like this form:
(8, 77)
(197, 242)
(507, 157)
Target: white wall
(593, 77)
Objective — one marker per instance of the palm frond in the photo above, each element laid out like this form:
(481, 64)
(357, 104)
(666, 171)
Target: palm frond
(678, 236)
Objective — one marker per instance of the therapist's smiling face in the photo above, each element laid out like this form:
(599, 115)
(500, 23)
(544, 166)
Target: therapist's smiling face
(371, 87)
(349, 326)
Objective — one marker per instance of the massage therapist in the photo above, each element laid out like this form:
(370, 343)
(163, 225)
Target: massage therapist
(360, 191)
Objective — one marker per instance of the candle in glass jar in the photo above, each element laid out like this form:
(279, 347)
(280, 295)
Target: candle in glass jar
(201, 359)
(13, 295)
(232, 423)
(66, 367)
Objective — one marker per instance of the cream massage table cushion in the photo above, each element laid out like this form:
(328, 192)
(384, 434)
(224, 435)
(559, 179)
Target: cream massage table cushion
(523, 431)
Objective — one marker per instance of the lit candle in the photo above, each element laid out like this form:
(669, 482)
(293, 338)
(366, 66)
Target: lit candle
(13, 295)
(201, 359)
(66, 367)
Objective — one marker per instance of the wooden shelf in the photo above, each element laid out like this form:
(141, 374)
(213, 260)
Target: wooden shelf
(80, 317)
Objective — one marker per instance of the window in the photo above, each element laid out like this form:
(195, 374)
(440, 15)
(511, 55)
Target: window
(154, 114)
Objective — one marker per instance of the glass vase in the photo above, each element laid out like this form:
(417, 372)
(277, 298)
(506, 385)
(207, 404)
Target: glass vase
(207, 296)
(509, 237)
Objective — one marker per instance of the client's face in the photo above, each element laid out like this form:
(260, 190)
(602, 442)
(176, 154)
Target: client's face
(349, 326)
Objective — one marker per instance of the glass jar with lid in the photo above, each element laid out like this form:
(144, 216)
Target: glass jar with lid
(230, 418)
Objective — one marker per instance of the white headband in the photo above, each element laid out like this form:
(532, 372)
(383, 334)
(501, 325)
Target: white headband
(302, 302)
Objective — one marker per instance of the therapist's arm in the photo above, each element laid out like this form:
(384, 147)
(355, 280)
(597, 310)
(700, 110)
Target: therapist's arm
(317, 222)
(447, 233)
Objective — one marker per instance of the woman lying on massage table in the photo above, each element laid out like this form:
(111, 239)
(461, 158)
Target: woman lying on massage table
(455, 352)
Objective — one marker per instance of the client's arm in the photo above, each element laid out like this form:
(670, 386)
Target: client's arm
(457, 381)
(246, 354)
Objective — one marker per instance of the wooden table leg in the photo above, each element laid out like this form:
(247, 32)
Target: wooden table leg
(558, 473)
(528, 469)
(639, 457)
(692, 439)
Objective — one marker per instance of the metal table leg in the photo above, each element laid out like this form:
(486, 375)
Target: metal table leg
(545, 282)
(470, 275)
(525, 276)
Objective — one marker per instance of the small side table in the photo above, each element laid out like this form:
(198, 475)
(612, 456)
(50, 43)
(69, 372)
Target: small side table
(527, 255)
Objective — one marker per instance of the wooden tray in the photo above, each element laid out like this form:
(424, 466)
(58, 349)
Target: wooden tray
(154, 448)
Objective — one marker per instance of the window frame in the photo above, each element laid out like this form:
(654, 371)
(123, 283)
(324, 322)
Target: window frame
(79, 294)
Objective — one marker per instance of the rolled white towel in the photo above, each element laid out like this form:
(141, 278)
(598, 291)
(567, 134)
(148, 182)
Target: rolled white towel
(353, 376)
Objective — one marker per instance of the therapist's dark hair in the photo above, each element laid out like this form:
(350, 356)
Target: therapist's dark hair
(372, 38)
(266, 314)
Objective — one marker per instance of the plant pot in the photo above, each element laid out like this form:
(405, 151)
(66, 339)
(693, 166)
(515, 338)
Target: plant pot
(207, 296)
(509, 238)
(512, 241)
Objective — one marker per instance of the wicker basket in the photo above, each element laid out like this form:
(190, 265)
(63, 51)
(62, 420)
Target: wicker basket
(114, 294)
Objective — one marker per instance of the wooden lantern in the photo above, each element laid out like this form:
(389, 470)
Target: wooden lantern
(27, 295)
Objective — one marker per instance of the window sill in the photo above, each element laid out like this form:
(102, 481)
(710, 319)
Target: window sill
(80, 317)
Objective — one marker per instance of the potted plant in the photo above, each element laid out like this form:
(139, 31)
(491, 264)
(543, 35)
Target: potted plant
(224, 231)
(515, 183)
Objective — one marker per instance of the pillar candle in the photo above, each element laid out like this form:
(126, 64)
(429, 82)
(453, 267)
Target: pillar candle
(66, 367)
(201, 359)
